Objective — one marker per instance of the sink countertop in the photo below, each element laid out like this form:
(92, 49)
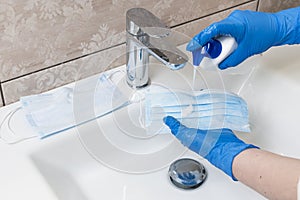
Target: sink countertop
(21, 179)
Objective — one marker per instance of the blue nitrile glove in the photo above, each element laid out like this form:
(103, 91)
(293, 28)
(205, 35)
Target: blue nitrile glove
(255, 32)
(218, 146)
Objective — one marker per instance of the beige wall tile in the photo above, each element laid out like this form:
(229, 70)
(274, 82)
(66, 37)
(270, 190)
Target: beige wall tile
(275, 5)
(60, 75)
(89, 65)
(36, 34)
(193, 28)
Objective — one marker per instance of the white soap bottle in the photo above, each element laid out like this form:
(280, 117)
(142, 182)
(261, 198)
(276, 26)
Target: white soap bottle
(216, 50)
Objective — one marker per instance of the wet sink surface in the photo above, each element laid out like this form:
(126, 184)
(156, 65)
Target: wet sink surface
(112, 158)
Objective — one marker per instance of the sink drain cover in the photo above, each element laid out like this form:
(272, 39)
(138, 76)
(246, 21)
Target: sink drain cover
(187, 173)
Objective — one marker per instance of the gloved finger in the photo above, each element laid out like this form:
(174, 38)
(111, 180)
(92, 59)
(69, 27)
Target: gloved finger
(187, 136)
(173, 124)
(224, 27)
(234, 59)
(193, 45)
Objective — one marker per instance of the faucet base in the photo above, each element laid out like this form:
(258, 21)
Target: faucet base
(140, 86)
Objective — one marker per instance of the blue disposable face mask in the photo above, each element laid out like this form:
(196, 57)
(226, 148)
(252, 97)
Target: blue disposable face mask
(51, 113)
(206, 109)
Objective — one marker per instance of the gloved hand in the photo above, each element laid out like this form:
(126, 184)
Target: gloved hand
(255, 32)
(218, 146)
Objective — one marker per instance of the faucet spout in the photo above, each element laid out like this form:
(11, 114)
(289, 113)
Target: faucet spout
(147, 35)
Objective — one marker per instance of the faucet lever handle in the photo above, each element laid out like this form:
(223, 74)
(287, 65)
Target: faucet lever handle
(140, 21)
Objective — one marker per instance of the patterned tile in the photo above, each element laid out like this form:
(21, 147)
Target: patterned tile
(275, 5)
(193, 28)
(62, 74)
(36, 34)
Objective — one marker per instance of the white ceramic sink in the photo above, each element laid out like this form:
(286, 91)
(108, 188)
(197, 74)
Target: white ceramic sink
(273, 96)
(113, 158)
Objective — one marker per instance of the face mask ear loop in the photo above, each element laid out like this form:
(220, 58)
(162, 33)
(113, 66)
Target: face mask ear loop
(246, 81)
(141, 119)
(7, 119)
(134, 98)
(109, 76)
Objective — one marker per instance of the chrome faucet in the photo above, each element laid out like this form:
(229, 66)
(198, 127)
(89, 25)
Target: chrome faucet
(147, 35)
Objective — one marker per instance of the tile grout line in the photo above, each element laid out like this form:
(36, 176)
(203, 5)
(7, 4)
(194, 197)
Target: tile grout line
(2, 95)
(64, 62)
(257, 5)
(208, 15)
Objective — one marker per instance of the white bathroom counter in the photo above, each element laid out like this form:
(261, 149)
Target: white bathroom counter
(21, 179)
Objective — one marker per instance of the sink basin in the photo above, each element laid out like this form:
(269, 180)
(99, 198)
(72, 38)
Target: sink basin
(272, 93)
(114, 158)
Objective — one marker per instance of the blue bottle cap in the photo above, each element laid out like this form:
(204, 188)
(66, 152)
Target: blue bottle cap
(213, 48)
